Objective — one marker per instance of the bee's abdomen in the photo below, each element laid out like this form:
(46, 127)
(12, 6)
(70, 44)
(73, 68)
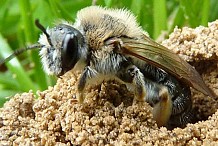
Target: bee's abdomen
(181, 120)
(180, 94)
(181, 101)
(181, 109)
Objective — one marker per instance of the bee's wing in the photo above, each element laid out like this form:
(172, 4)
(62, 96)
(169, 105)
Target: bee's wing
(159, 56)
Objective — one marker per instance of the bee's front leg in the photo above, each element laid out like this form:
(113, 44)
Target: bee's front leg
(86, 75)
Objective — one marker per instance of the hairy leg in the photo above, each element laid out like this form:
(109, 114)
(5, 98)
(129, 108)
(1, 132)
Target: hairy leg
(86, 75)
(145, 90)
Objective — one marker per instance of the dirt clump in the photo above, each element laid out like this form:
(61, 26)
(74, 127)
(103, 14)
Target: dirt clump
(108, 116)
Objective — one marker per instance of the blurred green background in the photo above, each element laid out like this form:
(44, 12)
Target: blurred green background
(17, 30)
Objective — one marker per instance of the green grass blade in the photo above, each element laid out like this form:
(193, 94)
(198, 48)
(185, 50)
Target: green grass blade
(177, 19)
(205, 12)
(3, 95)
(136, 8)
(27, 21)
(160, 17)
(30, 36)
(7, 81)
(64, 14)
(54, 8)
(15, 67)
(213, 13)
(108, 3)
(195, 12)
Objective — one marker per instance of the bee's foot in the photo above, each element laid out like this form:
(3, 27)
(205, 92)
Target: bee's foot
(80, 97)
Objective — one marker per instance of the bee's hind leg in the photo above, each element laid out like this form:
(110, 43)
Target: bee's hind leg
(162, 108)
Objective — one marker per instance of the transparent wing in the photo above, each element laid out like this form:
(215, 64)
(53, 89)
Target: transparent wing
(159, 56)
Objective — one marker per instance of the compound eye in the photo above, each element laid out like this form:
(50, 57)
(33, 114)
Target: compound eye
(69, 52)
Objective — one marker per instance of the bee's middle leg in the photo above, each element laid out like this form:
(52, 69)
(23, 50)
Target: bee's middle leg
(156, 95)
(131, 74)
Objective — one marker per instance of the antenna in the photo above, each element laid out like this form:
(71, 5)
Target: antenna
(34, 46)
(42, 28)
(18, 52)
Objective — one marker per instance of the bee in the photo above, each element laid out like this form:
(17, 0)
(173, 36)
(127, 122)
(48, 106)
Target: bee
(110, 43)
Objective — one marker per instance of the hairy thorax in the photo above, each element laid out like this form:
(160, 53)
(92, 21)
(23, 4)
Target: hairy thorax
(98, 28)
(105, 60)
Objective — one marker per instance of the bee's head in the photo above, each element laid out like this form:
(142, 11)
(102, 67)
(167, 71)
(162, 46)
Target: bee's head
(63, 46)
